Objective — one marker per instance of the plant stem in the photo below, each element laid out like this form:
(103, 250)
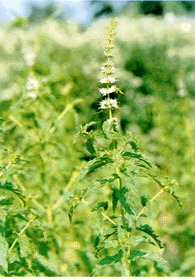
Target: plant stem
(152, 199)
(26, 226)
(110, 113)
(103, 214)
(127, 262)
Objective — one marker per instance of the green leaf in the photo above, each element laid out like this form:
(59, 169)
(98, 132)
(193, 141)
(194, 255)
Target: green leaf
(144, 200)
(111, 179)
(123, 202)
(101, 204)
(107, 127)
(90, 147)
(106, 236)
(157, 181)
(3, 253)
(172, 193)
(115, 198)
(112, 259)
(4, 201)
(25, 246)
(127, 228)
(139, 157)
(160, 264)
(136, 240)
(147, 229)
(153, 210)
(87, 261)
(97, 241)
(134, 145)
(119, 195)
(136, 254)
(10, 187)
(93, 165)
(71, 212)
(50, 264)
(88, 125)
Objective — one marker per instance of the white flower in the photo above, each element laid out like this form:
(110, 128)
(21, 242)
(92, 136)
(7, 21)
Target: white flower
(182, 92)
(106, 91)
(169, 17)
(108, 80)
(108, 64)
(108, 70)
(108, 104)
(29, 56)
(185, 26)
(32, 94)
(32, 84)
(114, 121)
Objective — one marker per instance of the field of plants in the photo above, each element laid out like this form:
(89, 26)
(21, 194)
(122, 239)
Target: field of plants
(93, 185)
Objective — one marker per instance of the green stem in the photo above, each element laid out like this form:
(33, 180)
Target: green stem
(127, 262)
(110, 113)
(26, 226)
(152, 199)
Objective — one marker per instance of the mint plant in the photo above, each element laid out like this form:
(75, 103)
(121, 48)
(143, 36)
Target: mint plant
(119, 180)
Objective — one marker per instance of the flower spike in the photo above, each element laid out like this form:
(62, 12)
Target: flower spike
(108, 81)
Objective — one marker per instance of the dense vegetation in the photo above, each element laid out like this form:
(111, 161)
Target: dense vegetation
(49, 92)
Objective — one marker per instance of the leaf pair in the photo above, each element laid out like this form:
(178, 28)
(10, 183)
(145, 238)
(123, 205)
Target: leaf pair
(119, 195)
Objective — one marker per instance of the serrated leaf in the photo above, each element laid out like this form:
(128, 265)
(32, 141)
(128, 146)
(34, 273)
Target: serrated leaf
(172, 193)
(136, 240)
(160, 263)
(10, 187)
(112, 259)
(147, 229)
(127, 228)
(25, 247)
(134, 145)
(90, 147)
(153, 210)
(137, 156)
(123, 201)
(149, 240)
(157, 181)
(3, 253)
(101, 204)
(5, 201)
(106, 236)
(136, 254)
(119, 195)
(93, 165)
(50, 264)
(111, 179)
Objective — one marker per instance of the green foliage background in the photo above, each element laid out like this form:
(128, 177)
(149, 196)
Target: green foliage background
(156, 72)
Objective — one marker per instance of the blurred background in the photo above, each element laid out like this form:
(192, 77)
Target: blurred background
(84, 12)
(60, 46)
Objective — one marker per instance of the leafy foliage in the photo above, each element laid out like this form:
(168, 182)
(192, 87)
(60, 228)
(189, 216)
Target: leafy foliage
(94, 186)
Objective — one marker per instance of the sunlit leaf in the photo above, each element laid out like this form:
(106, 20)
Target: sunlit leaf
(3, 253)
(112, 259)
(10, 187)
(147, 229)
(136, 253)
